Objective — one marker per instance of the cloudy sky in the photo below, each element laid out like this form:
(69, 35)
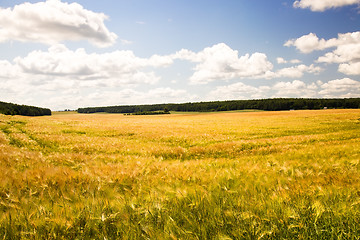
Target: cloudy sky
(68, 54)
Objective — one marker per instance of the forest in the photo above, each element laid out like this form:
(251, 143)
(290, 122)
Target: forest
(275, 104)
(15, 109)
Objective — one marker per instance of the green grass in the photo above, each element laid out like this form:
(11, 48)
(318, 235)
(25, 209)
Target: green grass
(244, 175)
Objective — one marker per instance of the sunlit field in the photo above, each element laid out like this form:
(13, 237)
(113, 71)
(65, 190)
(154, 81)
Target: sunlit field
(238, 175)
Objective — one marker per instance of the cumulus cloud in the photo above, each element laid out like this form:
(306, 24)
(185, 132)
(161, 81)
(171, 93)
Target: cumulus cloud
(237, 91)
(345, 87)
(7, 70)
(59, 73)
(346, 52)
(295, 61)
(308, 43)
(75, 97)
(115, 77)
(114, 68)
(338, 88)
(299, 89)
(322, 5)
(125, 42)
(281, 60)
(343, 53)
(296, 71)
(292, 72)
(220, 62)
(129, 96)
(240, 90)
(311, 42)
(119, 68)
(52, 22)
(295, 88)
(350, 68)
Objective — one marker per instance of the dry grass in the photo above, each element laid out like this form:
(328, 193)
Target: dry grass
(249, 175)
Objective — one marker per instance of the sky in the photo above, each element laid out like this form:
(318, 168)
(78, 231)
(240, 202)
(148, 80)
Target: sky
(68, 54)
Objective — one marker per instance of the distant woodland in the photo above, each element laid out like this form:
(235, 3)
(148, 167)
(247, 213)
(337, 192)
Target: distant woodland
(275, 104)
(15, 109)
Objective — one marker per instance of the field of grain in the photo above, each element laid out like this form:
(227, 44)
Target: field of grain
(245, 175)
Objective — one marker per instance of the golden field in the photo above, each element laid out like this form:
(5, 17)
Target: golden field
(231, 175)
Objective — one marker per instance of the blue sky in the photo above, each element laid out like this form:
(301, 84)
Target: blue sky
(70, 54)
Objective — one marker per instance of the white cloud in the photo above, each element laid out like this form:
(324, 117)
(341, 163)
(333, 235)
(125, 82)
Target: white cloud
(220, 62)
(296, 71)
(295, 88)
(307, 43)
(348, 57)
(107, 69)
(120, 77)
(343, 53)
(280, 60)
(350, 68)
(7, 70)
(125, 42)
(129, 96)
(338, 88)
(295, 61)
(237, 91)
(63, 78)
(53, 21)
(59, 94)
(322, 5)
(346, 53)
(125, 96)
(345, 87)
(311, 42)
(240, 90)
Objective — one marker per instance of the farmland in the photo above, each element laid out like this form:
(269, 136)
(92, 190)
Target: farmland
(238, 175)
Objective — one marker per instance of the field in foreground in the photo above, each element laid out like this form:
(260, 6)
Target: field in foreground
(261, 175)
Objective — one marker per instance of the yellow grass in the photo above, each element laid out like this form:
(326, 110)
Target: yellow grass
(238, 175)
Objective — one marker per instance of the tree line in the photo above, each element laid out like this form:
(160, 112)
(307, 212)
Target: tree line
(274, 104)
(15, 109)
(149, 113)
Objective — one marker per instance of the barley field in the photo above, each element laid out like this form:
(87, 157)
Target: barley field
(232, 175)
